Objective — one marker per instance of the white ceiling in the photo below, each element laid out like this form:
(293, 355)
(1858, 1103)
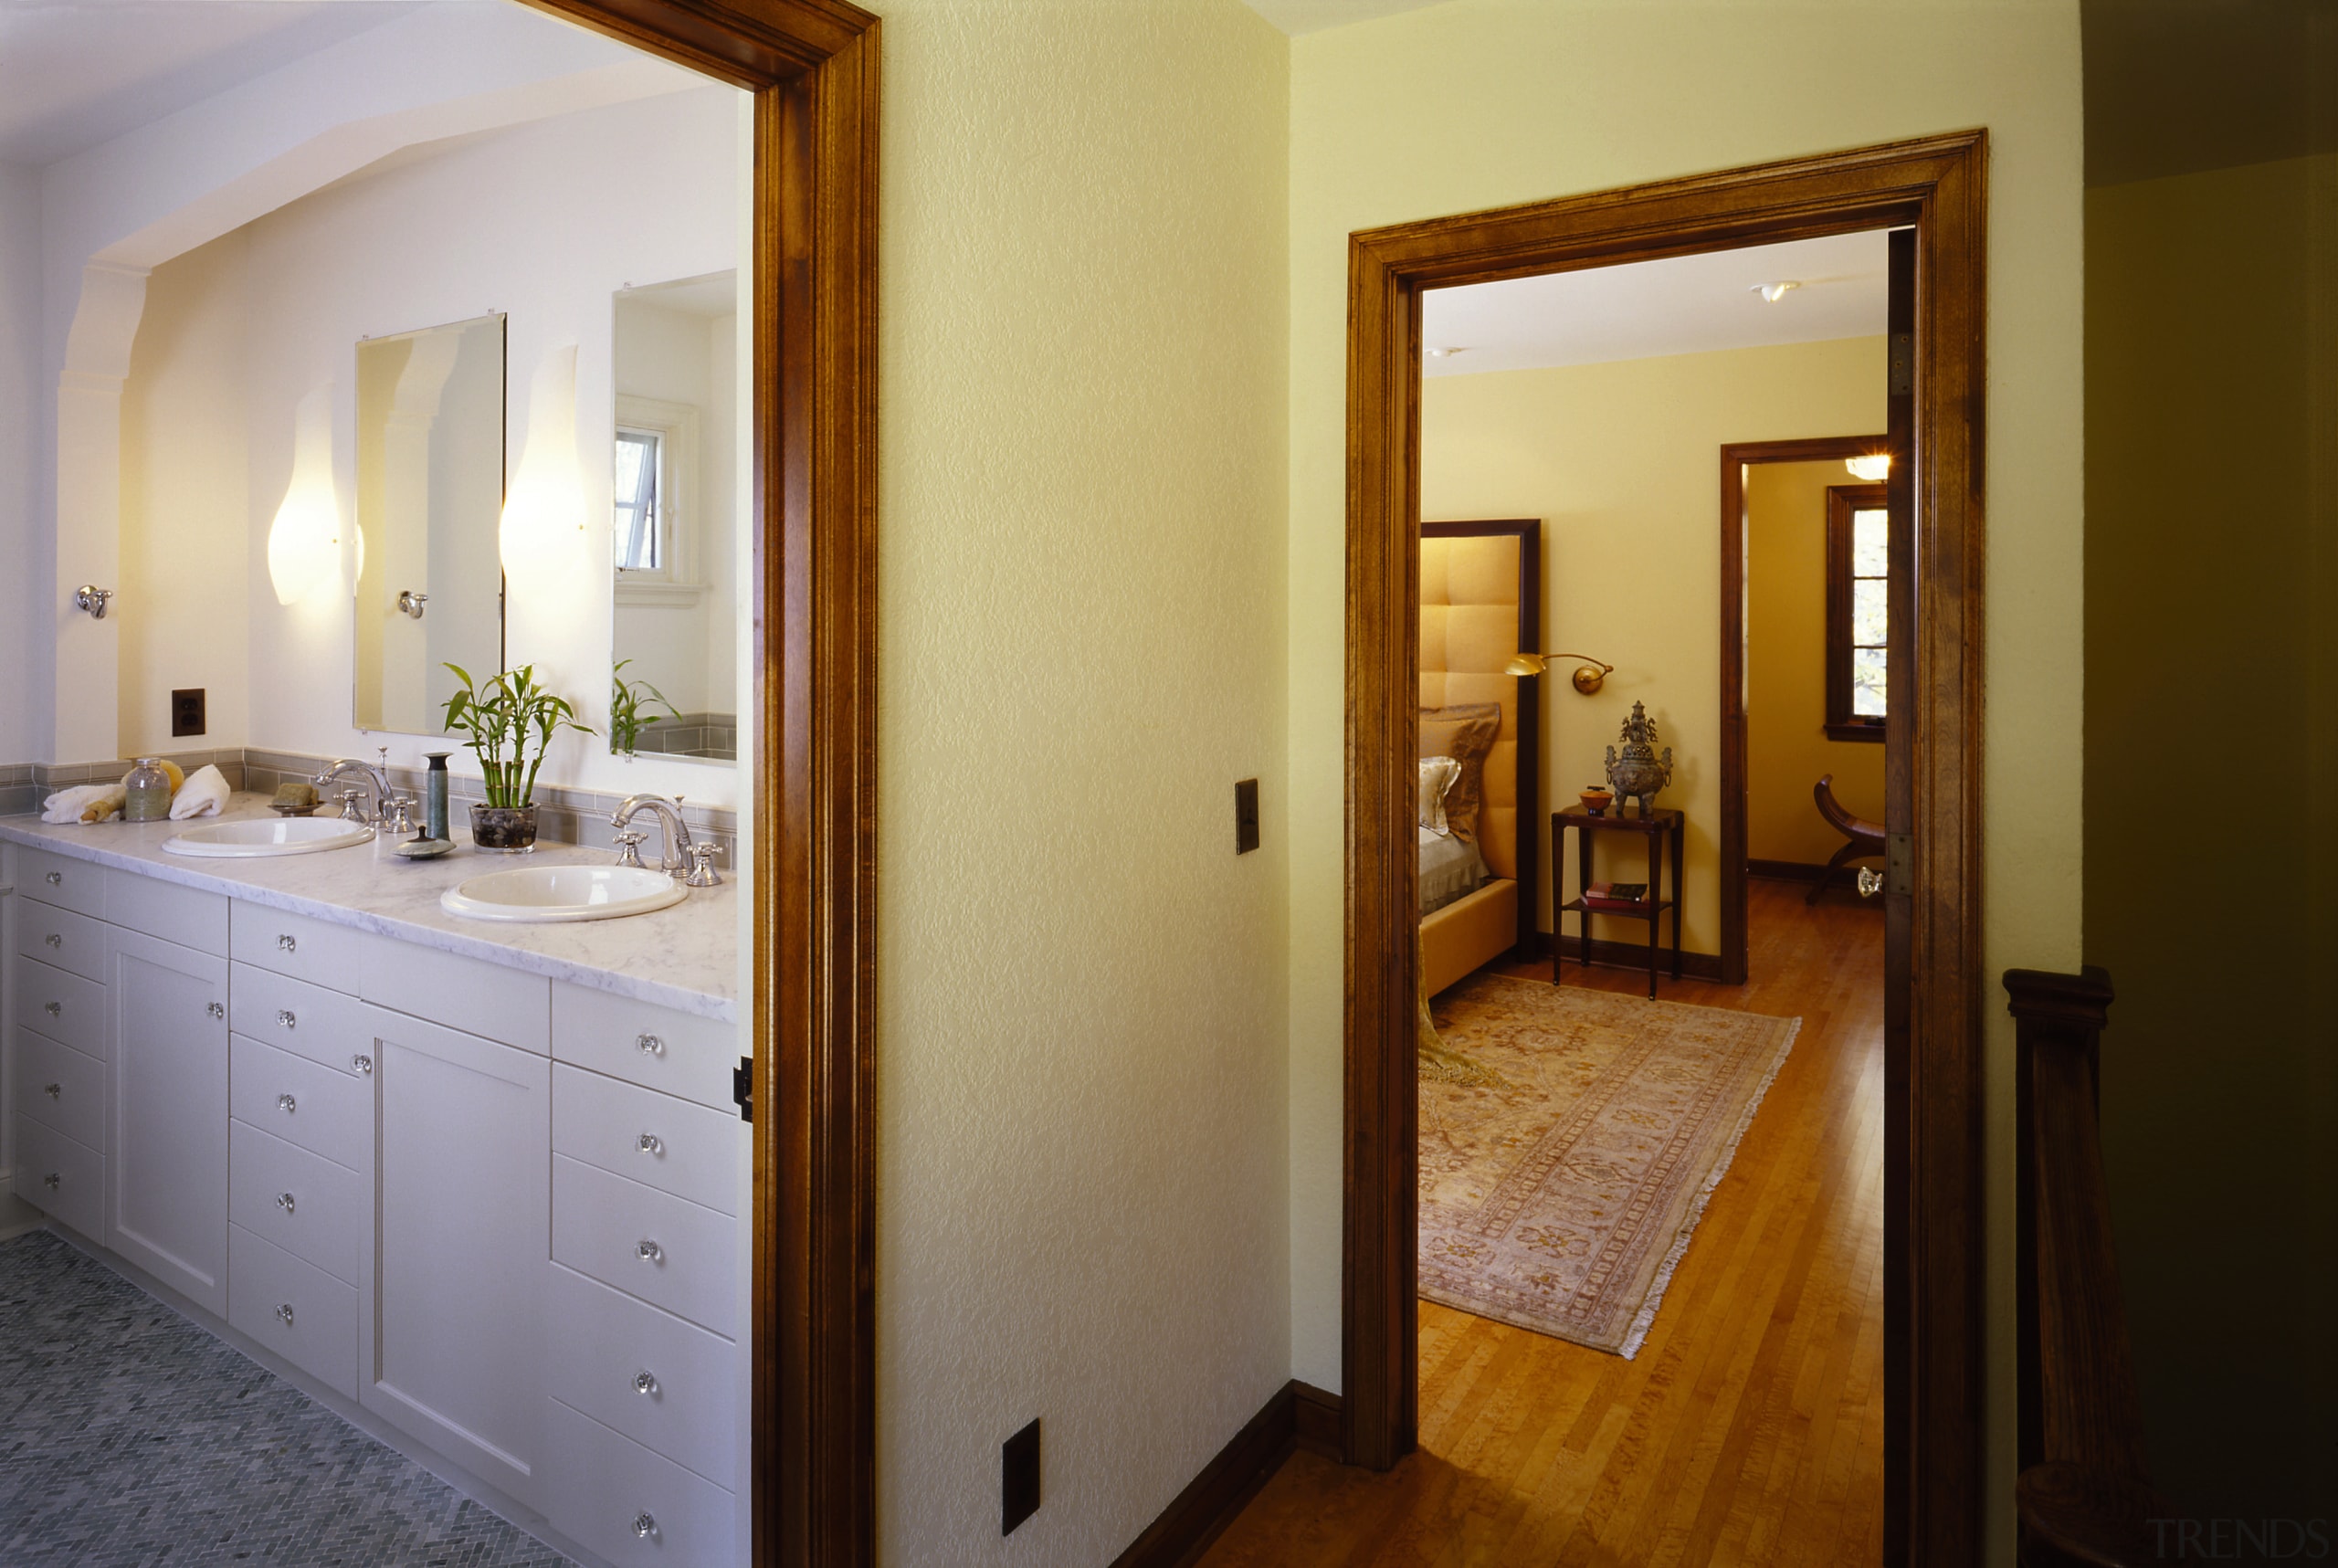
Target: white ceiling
(1689, 304)
(1297, 16)
(76, 73)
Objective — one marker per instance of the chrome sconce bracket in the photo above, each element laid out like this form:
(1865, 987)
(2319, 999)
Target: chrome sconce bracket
(92, 599)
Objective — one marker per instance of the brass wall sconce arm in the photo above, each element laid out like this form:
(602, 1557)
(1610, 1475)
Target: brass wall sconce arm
(1588, 678)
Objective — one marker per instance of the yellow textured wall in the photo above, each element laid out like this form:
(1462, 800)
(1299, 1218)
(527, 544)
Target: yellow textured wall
(1081, 1105)
(2211, 578)
(1786, 748)
(1622, 463)
(1480, 103)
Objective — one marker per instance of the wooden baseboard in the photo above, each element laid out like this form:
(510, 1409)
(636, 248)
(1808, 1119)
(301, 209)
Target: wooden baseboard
(1614, 954)
(1299, 1416)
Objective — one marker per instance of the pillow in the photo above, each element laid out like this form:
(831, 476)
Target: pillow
(1464, 731)
(1437, 775)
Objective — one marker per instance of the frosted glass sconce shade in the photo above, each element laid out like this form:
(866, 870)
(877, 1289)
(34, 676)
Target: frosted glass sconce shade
(304, 541)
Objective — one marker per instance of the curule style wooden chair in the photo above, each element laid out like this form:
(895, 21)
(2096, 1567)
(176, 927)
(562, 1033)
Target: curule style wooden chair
(1865, 837)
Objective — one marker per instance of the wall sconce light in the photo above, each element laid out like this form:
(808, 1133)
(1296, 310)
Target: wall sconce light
(1869, 470)
(547, 496)
(92, 599)
(1587, 679)
(304, 541)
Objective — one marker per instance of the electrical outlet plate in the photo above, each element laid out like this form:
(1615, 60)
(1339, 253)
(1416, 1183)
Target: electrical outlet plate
(1245, 816)
(1018, 1478)
(187, 711)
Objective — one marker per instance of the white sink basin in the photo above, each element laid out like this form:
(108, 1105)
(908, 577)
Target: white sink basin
(247, 837)
(562, 893)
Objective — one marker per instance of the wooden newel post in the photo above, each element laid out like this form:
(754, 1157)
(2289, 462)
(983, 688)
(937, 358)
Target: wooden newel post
(2084, 1494)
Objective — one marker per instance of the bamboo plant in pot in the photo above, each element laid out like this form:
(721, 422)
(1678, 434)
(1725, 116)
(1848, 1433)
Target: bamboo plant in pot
(510, 722)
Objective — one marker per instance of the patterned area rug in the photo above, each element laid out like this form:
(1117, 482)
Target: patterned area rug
(129, 1437)
(1560, 1198)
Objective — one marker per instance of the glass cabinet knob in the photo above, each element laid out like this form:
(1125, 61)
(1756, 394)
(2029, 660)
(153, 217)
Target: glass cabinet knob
(648, 1144)
(285, 1019)
(287, 943)
(285, 1103)
(53, 1090)
(284, 1202)
(55, 939)
(362, 1063)
(284, 1314)
(644, 1383)
(57, 879)
(216, 1010)
(52, 1009)
(650, 1044)
(52, 1181)
(645, 1524)
(650, 1252)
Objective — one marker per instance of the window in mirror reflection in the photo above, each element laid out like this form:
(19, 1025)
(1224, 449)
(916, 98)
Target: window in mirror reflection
(636, 499)
(674, 481)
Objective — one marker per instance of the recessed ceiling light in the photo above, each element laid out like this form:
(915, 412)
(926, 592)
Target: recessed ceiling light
(1774, 292)
(1445, 353)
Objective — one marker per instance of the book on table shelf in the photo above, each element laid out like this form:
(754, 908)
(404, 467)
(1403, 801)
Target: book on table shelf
(1616, 895)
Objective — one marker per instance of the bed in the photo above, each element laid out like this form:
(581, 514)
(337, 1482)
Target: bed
(1480, 603)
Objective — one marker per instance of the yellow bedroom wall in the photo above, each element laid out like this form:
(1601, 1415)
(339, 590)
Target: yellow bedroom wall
(1482, 104)
(1786, 747)
(1622, 463)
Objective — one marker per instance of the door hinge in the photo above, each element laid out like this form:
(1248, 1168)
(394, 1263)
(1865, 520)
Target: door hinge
(1899, 864)
(743, 1088)
(1900, 374)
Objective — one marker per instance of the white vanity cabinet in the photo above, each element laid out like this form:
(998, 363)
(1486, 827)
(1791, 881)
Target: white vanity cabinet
(166, 1207)
(58, 1065)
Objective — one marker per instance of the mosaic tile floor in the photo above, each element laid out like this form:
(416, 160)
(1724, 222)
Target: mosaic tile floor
(128, 1436)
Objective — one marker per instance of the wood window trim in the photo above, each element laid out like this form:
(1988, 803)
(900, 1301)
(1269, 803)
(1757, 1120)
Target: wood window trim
(1735, 458)
(813, 68)
(1934, 1326)
(1841, 502)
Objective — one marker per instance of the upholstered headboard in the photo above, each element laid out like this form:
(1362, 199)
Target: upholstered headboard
(1480, 603)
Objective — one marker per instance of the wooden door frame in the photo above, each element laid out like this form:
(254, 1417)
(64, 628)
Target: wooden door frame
(812, 66)
(1934, 1370)
(1734, 780)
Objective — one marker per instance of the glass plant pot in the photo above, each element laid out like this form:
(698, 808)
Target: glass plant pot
(505, 830)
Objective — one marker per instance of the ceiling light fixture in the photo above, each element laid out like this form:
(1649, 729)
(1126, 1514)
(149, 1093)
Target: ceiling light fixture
(1870, 468)
(1774, 292)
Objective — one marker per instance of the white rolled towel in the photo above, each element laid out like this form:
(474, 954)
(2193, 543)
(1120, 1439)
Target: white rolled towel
(66, 805)
(204, 794)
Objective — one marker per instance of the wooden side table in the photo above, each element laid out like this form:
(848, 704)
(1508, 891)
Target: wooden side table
(1659, 827)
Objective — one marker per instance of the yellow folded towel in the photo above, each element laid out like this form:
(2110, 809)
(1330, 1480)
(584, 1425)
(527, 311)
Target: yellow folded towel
(204, 794)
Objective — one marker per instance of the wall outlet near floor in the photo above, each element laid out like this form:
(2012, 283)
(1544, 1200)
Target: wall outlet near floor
(186, 710)
(1018, 1478)
(1245, 816)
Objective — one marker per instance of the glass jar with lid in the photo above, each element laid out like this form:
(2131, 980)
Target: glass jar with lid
(146, 793)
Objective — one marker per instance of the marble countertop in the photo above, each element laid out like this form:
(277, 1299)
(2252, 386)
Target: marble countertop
(685, 957)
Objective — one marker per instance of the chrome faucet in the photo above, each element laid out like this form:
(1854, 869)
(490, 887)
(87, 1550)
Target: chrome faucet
(378, 777)
(677, 851)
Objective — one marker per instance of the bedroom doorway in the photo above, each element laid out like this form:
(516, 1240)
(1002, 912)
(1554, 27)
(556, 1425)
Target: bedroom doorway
(1932, 192)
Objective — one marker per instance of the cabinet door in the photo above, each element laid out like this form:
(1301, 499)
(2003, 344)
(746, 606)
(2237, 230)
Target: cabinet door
(452, 1311)
(167, 1193)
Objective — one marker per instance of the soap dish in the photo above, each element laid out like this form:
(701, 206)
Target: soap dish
(293, 810)
(424, 848)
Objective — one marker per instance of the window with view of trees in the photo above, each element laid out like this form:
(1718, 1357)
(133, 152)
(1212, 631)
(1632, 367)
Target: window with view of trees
(638, 545)
(1858, 644)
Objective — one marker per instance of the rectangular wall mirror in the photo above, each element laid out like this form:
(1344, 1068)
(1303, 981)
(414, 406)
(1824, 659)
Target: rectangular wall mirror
(429, 506)
(674, 670)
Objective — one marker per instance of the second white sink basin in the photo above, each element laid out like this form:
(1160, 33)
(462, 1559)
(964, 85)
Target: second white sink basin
(247, 837)
(562, 893)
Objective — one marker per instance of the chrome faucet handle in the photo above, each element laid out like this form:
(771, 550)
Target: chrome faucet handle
(350, 810)
(701, 853)
(401, 814)
(629, 849)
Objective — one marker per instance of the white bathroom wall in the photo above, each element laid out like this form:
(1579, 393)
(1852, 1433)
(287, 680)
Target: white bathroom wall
(23, 584)
(186, 596)
(518, 222)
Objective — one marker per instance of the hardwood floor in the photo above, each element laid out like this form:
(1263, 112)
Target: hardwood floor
(1750, 1428)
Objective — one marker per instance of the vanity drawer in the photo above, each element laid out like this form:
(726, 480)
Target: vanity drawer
(303, 1203)
(324, 1111)
(466, 993)
(295, 1308)
(669, 1253)
(654, 1139)
(73, 942)
(60, 1177)
(303, 947)
(61, 1087)
(610, 1343)
(326, 1026)
(186, 916)
(58, 879)
(62, 1006)
(654, 1047)
(629, 1505)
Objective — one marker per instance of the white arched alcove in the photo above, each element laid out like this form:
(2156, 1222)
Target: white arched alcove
(115, 212)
